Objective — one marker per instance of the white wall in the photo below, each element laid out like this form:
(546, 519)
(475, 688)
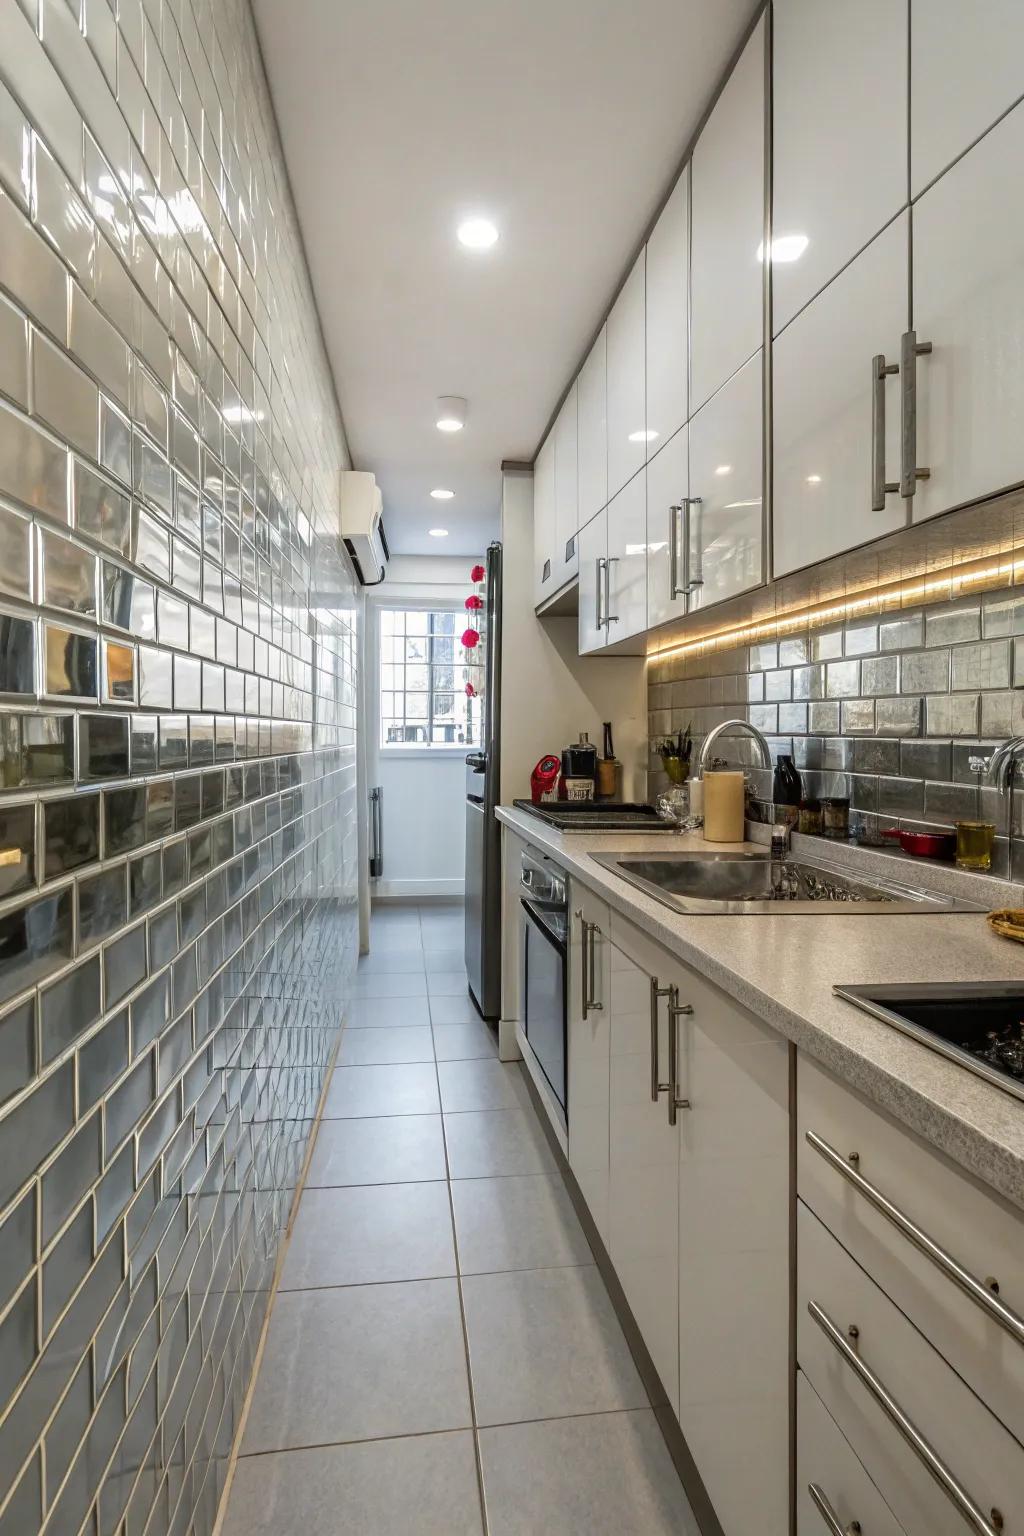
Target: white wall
(549, 693)
(423, 808)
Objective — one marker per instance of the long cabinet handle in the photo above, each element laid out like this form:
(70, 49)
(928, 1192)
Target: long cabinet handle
(600, 564)
(675, 514)
(657, 1086)
(690, 581)
(910, 350)
(950, 1485)
(986, 1298)
(588, 966)
(676, 1011)
(823, 1505)
(609, 617)
(880, 487)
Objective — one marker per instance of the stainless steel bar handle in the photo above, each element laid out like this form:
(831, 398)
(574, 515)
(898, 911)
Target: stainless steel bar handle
(592, 998)
(600, 565)
(910, 350)
(950, 1485)
(657, 1086)
(675, 513)
(692, 581)
(986, 1298)
(824, 1507)
(588, 1003)
(880, 487)
(609, 617)
(676, 1011)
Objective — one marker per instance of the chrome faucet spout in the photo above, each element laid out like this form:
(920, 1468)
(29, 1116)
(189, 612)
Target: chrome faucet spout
(734, 725)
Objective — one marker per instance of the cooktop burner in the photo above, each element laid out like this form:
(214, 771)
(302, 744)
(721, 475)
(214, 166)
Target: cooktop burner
(979, 1024)
(596, 815)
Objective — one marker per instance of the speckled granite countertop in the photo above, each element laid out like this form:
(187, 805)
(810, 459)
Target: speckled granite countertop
(783, 969)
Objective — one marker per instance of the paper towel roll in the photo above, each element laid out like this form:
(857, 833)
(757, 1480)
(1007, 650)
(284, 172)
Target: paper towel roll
(723, 806)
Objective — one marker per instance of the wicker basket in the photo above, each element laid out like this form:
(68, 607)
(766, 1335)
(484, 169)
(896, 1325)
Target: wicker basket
(1008, 923)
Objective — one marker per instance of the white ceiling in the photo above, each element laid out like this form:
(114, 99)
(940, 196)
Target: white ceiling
(563, 120)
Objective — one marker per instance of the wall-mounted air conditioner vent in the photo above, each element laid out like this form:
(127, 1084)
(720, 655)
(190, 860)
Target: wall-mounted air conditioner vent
(362, 525)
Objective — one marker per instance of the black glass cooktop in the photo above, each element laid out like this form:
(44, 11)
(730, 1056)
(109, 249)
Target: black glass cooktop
(979, 1024)
(596, 815)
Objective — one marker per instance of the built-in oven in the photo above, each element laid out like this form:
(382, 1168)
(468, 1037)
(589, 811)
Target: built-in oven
(544, 898)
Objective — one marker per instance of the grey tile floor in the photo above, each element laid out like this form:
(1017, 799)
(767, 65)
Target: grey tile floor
(442, 1356)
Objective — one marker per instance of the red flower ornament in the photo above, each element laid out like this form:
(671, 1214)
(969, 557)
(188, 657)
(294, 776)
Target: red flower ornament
(470, 691)
(474, 604)
(477, 573)
(470, 638)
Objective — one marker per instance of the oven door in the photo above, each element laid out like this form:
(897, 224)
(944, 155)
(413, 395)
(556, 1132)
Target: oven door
(545, 941)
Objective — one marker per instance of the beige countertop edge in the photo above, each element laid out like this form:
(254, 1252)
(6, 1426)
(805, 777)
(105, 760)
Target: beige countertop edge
(783, 969)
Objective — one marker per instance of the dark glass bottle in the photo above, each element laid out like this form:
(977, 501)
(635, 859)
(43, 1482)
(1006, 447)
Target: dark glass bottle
(786, 789)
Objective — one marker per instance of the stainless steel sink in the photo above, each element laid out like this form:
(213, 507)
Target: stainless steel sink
(747, 884)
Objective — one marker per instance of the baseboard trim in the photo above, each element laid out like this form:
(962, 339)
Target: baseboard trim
(416, 890)
(693, 1484)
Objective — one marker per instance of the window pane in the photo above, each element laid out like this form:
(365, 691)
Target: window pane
(417, 679)
(443, 623)
(444, 704)
(416, 648)
(387, 621)
(444, 648)
(416, 623)
(416, 706)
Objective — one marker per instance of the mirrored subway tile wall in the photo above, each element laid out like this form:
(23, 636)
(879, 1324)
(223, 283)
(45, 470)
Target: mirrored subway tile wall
(178, 662)
(888, 709)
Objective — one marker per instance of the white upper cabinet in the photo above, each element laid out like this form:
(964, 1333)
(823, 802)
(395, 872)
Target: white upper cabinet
(668, 257)
(968, 289)
(725, 522)
(626, 585)
(627, 417)
(668, 481)
(727, 217)
(823, 399)
(839, 144)
(544, 535)
(593, 430)
(566, 491)
(593, 553)
(966, 65)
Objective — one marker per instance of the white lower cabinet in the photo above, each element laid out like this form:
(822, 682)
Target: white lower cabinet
(725, 518)
(590, 953)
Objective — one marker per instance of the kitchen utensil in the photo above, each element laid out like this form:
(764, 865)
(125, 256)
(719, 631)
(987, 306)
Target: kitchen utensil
(1008, 922)
(544, 780)
(723, 806)
(974, 841)
(609, 769)
(924, 845)
(579, 770)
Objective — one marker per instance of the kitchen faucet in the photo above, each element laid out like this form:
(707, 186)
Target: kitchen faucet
(1002, 766)
(752, 731)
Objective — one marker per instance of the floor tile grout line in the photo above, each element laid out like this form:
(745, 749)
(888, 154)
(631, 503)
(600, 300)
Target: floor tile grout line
(470, 1274)
(456, 1429)
(477, 1455)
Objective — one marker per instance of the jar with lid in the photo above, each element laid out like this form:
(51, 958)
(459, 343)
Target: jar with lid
(835, 816)
(810, 818)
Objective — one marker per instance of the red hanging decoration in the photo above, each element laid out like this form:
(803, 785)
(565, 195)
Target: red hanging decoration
(470, 638)
(477, 573)
(470, 691)
(474, 604)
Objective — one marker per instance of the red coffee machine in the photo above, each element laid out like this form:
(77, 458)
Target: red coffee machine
(544, 780)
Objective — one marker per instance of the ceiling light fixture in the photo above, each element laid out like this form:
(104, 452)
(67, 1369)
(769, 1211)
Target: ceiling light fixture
(785, 248)
(451, 413)
(440, 494)
(724, 469)
(813, 479)
(643, 435)
(438, 533)
(477, 234)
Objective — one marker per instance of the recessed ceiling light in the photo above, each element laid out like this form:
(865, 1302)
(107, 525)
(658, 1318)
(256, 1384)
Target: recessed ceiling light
(813, 479)
(477, 234)
(438, 533)
(785, 248)
(440, 494)
(451, 413)
(724, 469)
(643, 436)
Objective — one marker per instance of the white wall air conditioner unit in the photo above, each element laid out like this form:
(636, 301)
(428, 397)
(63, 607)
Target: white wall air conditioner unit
(362, 525)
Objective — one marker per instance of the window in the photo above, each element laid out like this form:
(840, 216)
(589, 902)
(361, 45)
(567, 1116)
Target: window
(424, 673)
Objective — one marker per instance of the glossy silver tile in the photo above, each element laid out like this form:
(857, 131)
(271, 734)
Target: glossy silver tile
(67, 574)
(15, 554)
(33, 465)
(13, 354)
(99, 348)
(64, 397)
(33, 274)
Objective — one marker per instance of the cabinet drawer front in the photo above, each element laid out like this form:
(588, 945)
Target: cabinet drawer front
(850, 1335)
(825, 1462)
(962, 1226)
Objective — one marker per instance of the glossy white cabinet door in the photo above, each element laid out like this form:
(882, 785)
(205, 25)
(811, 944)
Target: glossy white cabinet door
(969, 303)
(839, 146)
(734, 1258)
(727, 229)
(822, 408)
(544, 521)
(593, 430)
(643, 1156)
(966, 71)
(588, 1055)
(627, 418)
(626, 610)
(725, 527)
(668, 260)
(668, 480)
(566, 490)
(593, 548)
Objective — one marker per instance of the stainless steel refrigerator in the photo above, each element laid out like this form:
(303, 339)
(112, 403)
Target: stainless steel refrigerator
(483, 833)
